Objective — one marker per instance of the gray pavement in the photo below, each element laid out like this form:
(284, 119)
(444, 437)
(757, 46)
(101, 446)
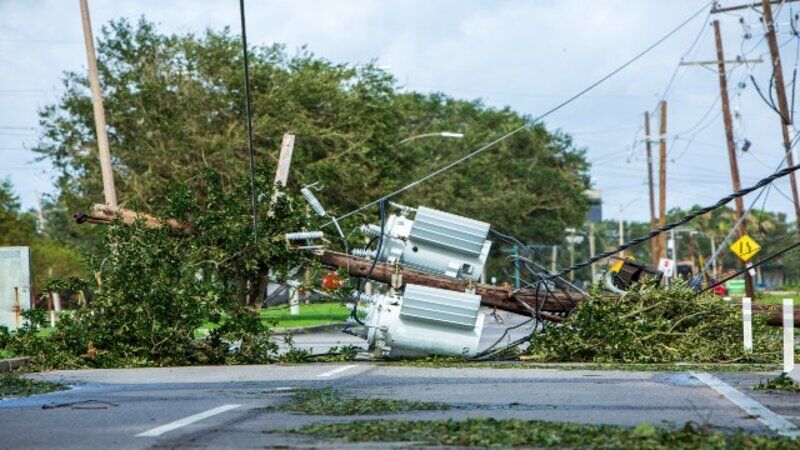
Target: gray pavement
(119, 404)
(222, 407)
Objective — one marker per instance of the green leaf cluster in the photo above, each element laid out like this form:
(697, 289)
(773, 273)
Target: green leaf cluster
(174, 106)
(330, 402)
(152, 288)
(651, 324)
(489, 432)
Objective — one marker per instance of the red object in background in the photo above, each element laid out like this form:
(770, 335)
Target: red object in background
(720, 290)
(332, 281)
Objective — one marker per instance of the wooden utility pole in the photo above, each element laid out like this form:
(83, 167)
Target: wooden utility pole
(662, 180)
(783, 104)
(99, 112)
(654, 251)
(726, 116)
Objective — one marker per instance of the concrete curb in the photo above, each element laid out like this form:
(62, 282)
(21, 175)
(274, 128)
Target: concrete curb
(307, 330)
(7, 365)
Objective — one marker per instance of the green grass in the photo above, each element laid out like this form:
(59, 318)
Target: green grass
(776, 297)
(280, 316)
(12, 385)
(328, 402)
(310, 315)
(487, 432)
(781, 383)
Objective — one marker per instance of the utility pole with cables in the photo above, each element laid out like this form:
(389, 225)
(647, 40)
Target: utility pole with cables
(654, 252)
(726, 116)
(99, 113)
(783, 105)
(662, 180)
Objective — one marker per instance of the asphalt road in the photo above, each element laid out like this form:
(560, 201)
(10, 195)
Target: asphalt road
(222, 406)
(213, 407)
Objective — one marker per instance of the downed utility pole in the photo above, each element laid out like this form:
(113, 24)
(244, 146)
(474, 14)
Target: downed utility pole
(522, 302)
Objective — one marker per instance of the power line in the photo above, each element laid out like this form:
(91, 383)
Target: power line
(656, 232)
(527, 124)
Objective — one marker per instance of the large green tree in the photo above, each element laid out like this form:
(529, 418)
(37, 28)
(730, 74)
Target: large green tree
(174, 104)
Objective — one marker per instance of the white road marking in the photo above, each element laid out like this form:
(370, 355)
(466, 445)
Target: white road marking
(283, 388)
(775, 422)
(335, 371)
(158, 431)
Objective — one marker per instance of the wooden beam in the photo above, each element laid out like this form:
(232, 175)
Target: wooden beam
(285, 159)
(105, 214)
(499, 297)
(717, 10)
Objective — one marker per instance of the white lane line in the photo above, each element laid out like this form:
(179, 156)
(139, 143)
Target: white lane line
(158, 431)
(775, 422)
(335, 371)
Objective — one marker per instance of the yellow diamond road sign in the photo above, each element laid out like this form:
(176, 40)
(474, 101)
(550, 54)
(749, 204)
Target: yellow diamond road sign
(745, 248)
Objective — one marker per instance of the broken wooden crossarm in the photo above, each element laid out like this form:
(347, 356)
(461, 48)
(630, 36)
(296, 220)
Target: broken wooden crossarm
(106, 214)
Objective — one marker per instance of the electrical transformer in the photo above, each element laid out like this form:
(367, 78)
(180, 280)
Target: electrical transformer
(422, 321)
(435, 242)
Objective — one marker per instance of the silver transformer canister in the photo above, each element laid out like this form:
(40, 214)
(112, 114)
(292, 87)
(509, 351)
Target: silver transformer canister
(436, 242)
(423, 321)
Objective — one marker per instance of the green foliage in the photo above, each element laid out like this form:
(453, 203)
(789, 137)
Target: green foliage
(489, 432)
(174, 106)
(329, 402)
(152, 288)
(11, 385)
(779, 383)
(655, 325)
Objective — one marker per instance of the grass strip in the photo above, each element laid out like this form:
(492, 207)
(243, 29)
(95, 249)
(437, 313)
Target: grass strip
(488, 432)
(12, 385)
(329, 402)
(780, 383)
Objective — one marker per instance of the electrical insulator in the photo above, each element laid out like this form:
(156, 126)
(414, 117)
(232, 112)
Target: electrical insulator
(364, 253)
(303, 235)
(313, 202)
(404, 210)
(370, 229)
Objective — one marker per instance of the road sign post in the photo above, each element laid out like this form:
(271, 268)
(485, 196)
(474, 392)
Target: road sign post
(747, 323)
(788, 335)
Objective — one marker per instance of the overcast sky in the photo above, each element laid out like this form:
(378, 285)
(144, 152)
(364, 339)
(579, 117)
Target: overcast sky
(529, 55)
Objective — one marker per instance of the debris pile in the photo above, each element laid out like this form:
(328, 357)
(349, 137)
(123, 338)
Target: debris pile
(655, 325)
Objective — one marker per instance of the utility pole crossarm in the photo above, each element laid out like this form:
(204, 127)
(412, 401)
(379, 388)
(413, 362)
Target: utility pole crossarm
(714, 63)
(717, 9)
